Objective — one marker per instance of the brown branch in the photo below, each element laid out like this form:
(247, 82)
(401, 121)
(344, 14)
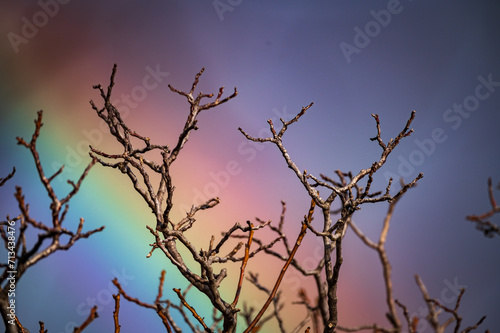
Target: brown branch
(193, 311)
(116, 312)
(195, 109)
(283, 270)
(254, 279)
(276, 138)
(93, 315)
(312, 310)
(160, 287)
(159, 196)
(130, 298)
(412, 323)
(20, 327)
(488, 228)
(243, 265)
(42, 327)
(26, 255)
(433, 304)
(379, 247)
(9, 176)
(164, 319)
(374, 328)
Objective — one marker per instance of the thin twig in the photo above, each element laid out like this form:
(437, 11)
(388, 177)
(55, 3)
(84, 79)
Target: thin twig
(283, 270)
(116, 312)
(93, 315)
(243, 264)
(193, 311)
(163, 317)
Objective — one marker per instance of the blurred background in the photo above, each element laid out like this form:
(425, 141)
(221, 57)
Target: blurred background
(351, 59)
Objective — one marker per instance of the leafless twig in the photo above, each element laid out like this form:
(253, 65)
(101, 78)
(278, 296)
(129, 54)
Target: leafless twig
(93, 315)
(351, 196)
(116, 312)
(482, 223)
(25, 255)
(434, 307)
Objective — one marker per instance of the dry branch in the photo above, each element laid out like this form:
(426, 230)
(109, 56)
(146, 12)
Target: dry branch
(351, 196)
(482, 221)
(159, 197)
(93, 315)
(435, 306)
(42, 327)
(116, 312)
(192, 310)
(283, 270)
(25, 255)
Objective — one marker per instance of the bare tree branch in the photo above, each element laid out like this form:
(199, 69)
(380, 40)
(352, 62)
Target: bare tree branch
(482, 223)
(116, 312)
(21, 254)
(93, 315)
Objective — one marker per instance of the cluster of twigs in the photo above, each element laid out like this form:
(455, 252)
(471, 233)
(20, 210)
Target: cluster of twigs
(351, 196)
(323, 312)
(150, 176)
(482, 221)
(169, 234)
(13, 232)
(393, 315)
